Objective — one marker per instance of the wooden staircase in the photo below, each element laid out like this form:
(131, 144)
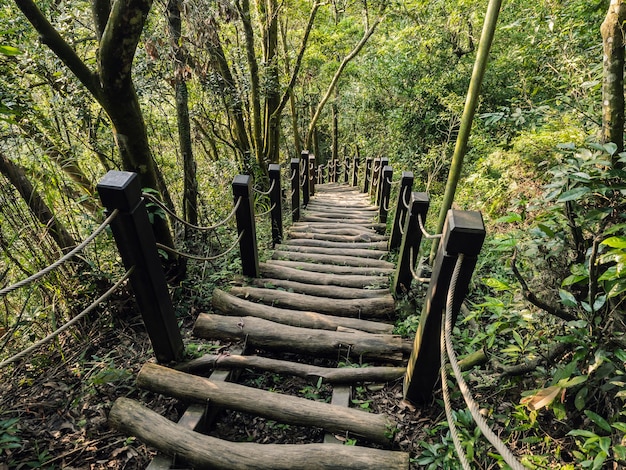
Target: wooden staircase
(324, 294)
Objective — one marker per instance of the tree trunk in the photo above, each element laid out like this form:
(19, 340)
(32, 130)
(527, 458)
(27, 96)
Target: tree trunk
(16, 176)
(190, 184)
(613, 75)
(205, 452)
(264, 334)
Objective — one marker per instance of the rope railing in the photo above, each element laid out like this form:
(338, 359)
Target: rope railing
(262, 214)
(265, 193)
(416, 276)
(293, 175)
(192, 226)
(200, 258)
(405, 203)
(473, 407)
(64, 327)
(64, 259)
(424, 232)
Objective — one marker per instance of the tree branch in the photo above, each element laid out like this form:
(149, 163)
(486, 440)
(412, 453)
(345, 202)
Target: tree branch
(532, 298)
(554, 351)
(296, 69)
(119, 41)
(51, 38)
(335, 79)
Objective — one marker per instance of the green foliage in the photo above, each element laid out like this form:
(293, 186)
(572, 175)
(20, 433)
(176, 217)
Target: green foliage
(9, 435)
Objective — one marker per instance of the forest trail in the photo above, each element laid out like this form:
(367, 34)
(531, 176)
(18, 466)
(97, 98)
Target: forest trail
(322, 301)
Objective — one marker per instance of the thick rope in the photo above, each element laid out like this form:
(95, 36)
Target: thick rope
(417, 277)
(265, 193)
(500, 446)
(293, 175)
(405, 203)
(187, 224)
(448, 405)
(74, 320)
(424, 232)
(63, 259)
(266, 212)
(200, 258)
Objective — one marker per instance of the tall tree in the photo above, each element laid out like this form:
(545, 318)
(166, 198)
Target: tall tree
(612, 30)
(118, 27)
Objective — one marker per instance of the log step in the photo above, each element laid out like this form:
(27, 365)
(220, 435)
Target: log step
(302, 273)
(332, 259)
(355, 252)
(332, 292)
(234, 306)
(272, 336)
(341, 270)
(202, 451)
(376, 307)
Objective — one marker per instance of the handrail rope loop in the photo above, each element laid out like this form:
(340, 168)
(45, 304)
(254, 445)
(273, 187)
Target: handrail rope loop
(261, 214)
(386, 204)
(265, 193)
(448, 405)
(401, 227)
(424, 232)
(187, 224)
(293, 175)
(293, 191)
(417, 277)
(201, 258)
(482, 424)
(74, 320)
(69, 255)
(404, 201)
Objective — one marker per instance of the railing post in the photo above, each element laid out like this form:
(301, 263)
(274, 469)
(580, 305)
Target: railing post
(346, 169)
(355, 171)
(311, 167)
(463, 233)
(137, 246)
(411, 240)
(304, 158)
(385, 194)
(406, 183)
(276, 204)
(376, 170)
(383, 163)
(295, 189)
(368, 174)
(242, 188)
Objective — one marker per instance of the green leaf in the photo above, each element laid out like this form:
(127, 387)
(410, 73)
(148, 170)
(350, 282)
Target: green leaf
(610, 148)
(567, 298)
(573, 194)
(619, 426)
(497, 284)
(509, 218)
(573, 279)
(615, 242)
(9, 50)
(598, 420)
(582, 433)
(619, 452)
(581, 398)
(566, 383)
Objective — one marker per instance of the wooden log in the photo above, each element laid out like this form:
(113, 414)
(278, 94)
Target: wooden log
(273, 336)
(326, 244)
(375, 307)
(292, 273)
(234, 306)
(357, 252)
(336, 225)
(341, 270)
(280, 407)
(338, 215)
(333, 208)
(314, 228)
(317, 218)
(206, 452)
(332, 259)
(334, 237)
(333, 292)
(331, 375)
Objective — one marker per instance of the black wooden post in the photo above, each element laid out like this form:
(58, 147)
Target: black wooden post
(463, 233)
(355, 171)
(295, 189)
(242, 188)
(304, 159)
(376, 170)
(311, 167)
(276, 202)
(379, 194)
(404, 196)
(368, 174)
(136, 243)
(385, 194)
(411, 240)
(346, 170)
